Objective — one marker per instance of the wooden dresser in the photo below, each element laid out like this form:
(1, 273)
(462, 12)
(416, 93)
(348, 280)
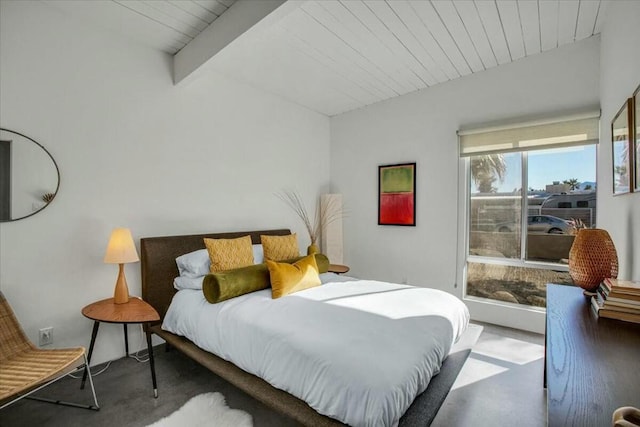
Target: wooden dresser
(592, 366)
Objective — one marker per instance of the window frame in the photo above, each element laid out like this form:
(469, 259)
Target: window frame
(464, 215)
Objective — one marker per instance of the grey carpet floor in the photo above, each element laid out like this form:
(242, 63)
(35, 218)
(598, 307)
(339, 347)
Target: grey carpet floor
(501, 379)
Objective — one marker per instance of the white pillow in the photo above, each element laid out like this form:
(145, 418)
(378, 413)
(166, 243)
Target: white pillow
(198, 263)
(194, 264)
(258, 254)
(183, 282)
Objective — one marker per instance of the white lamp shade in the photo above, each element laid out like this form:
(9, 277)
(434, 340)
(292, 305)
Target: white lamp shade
(121, 248)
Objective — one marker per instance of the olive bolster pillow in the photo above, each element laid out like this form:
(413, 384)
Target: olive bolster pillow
(224, 285)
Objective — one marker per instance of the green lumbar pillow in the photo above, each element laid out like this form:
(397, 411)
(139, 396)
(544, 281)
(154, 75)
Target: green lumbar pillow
(224, 285)
(229, 284)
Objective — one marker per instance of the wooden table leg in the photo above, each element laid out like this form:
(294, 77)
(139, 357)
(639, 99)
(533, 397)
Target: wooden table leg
(151, 364)
(126, 341)
(94, 334)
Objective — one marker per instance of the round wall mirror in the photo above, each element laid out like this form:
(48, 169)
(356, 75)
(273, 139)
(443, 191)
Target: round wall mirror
(29, 177)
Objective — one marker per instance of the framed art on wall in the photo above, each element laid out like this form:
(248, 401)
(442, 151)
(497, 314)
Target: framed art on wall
(636, 140)
(622, 149)
(397, 194)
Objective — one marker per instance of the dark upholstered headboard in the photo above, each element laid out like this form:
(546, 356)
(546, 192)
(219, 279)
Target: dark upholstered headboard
(158, 261)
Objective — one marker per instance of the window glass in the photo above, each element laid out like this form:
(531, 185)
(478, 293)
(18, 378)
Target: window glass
(560, 198)
(496, 200)
(518, 285)
(558, 179)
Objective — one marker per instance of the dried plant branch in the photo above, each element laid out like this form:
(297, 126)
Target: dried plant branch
(325, 213)
(48, 197)
(295, 202)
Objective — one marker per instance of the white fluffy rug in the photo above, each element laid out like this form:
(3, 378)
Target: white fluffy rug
(208, 409)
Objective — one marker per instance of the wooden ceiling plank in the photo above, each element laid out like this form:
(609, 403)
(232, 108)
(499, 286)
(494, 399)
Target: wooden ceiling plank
(420, 61)
(396, 50)
(548, 24)
(432, 21)
(343, 80)
(407, 14)
(510, 18)
(567, 20)
(120, 20)
(270, 63)
(373, 47)
(159, 17)
(195, 10)
(343, 24)
(379, 50)
(472, 23)
(530, 26)
(325, 41)
(177, 13)
(458, 32)
(488, 12)
(440, 65)
(213, 6)
(376, 18)
(587, 15)
(383, 36)
(355, 86)
(226, 3)
(303, 26)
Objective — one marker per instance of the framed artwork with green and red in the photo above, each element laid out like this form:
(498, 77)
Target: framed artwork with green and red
(397, 194)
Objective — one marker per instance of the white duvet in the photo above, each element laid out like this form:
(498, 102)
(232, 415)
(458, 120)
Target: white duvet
(357, 351)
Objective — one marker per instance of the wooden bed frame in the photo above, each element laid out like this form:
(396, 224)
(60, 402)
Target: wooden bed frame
(159, 268)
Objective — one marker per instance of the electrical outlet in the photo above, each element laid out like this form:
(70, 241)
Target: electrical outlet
(46, 336)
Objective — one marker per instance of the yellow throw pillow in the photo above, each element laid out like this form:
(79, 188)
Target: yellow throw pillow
(289, 278)
(280, 248)
(226, 254)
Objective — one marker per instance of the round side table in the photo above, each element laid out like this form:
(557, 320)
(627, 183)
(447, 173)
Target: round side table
(133, 312)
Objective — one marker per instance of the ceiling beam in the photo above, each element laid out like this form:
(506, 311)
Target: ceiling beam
(242, 16)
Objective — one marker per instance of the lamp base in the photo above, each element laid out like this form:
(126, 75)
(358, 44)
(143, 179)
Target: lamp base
(121, 293)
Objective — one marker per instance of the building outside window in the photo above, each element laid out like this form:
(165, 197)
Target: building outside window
(555, 163)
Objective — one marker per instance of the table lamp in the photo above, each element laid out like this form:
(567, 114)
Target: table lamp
(121, 250)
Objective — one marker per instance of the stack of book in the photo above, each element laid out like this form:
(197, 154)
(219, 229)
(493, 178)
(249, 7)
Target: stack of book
(618, 299)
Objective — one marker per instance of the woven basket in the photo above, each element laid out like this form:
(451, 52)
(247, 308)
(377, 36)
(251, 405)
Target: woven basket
(592, 258)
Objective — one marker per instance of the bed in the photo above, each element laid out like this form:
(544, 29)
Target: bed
(159, 269)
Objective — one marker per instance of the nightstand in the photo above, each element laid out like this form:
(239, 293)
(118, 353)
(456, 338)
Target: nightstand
(338, 269)
(133, 312)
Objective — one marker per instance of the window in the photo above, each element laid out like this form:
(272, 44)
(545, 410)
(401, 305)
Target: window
(556, 163)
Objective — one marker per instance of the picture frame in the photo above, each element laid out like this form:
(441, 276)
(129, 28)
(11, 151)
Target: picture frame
(636, 140)
(397, 194)
(622, 149)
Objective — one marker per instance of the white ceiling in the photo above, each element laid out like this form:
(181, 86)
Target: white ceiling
(334, 56)
(167, 25)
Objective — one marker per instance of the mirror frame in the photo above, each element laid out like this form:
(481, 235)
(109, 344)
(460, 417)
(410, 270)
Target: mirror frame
(54, 164)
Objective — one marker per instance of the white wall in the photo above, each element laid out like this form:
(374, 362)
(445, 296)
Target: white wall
(422, 127)
(619, 77)
(138, 152)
